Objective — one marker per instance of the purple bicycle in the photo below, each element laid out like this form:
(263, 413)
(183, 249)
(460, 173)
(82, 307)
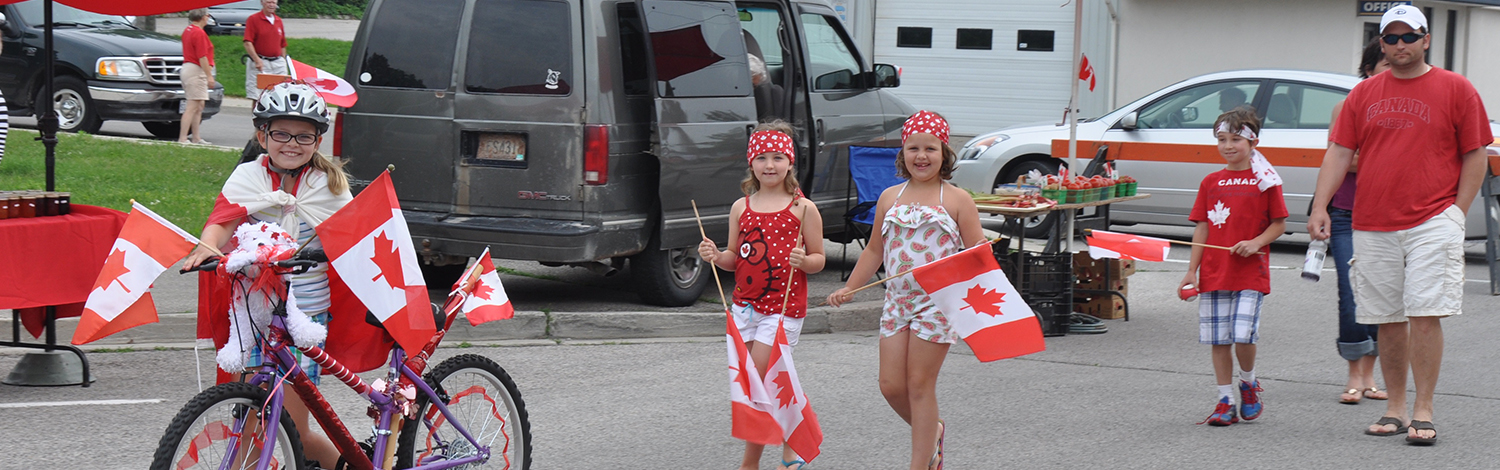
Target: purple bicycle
(465, 413)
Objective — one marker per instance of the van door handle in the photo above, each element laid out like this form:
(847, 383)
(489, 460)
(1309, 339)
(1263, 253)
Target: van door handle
(819, 136)
(749, 130)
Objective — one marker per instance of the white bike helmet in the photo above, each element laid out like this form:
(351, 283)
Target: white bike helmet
(294, 100)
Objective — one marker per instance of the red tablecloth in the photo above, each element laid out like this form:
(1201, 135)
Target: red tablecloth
(54, 261)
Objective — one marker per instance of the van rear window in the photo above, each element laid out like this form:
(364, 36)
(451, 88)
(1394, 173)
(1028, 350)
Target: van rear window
(411, 44)
(520, 47)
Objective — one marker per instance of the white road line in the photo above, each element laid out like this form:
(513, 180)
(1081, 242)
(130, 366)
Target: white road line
(39, 404)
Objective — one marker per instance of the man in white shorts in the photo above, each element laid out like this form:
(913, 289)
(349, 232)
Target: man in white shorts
(1421, 134)
(265, 44)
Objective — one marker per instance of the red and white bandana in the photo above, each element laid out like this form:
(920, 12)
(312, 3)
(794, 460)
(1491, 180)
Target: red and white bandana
(926, 122)
(770, 141)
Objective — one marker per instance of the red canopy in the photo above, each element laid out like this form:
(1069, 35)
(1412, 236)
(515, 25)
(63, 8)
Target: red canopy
(134, 7)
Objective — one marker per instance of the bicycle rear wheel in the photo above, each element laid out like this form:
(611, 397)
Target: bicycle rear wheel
(199, 435)
(485, 401)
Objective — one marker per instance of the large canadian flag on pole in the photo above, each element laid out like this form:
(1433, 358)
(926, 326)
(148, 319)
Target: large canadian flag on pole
(147, 246)
(370, 248)
(981, 304)
(331, 87)
(799, 425)
(479, 294)
(1106, 244)
(750, 414)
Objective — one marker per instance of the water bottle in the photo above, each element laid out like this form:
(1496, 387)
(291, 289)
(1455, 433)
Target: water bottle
(1312, 268)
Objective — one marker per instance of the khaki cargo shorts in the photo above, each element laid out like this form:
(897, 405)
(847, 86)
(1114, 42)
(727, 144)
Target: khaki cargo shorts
(1417, 272)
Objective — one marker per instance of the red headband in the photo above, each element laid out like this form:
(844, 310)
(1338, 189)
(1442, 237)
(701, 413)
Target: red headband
(770, 141)
(926, 122)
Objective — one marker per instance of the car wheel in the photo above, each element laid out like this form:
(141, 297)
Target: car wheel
(74, 107)
(669, 278)
(163, 129)
(1038, 226)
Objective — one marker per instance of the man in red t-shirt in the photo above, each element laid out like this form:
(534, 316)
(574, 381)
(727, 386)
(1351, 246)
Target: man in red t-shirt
(197, 75)
(265, 43)
(1420, 132)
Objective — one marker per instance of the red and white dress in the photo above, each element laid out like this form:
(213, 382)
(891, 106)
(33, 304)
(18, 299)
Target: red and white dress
(761, 271)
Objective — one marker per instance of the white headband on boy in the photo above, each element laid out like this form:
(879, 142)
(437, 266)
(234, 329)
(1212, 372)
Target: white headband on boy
(1244, 130)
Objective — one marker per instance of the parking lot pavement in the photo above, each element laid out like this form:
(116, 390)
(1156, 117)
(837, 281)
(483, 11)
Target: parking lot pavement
(342, 30)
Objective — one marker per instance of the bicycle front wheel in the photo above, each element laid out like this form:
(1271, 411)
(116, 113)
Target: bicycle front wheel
(200, 436)
(485, 401)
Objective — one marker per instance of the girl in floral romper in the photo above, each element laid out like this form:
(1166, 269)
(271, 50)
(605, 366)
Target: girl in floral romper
(925, 219)
(763, 230)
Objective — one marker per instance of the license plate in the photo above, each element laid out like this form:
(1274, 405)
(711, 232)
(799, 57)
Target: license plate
(182, 107)
(502, 147)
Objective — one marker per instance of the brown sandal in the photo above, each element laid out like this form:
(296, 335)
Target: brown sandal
(1370, 390)
(1354, 392)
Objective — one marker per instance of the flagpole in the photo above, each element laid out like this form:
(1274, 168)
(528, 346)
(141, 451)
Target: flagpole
(790, 271)
(902, 273)
(711, 266)
(1179, 242)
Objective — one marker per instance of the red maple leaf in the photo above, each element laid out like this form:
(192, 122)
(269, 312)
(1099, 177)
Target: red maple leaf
(785, 395)
(986, 301)
(388, 258)
(741, 376)
(482, 290)
(114, 267)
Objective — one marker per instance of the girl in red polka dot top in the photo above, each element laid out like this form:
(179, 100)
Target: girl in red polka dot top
(769, 233)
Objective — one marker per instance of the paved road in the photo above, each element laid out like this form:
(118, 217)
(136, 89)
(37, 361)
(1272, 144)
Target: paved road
(1125, 399)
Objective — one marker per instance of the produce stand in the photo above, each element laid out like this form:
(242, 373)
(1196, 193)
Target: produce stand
(1045, 279)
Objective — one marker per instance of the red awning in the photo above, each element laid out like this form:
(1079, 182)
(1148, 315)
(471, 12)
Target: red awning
(133, 7)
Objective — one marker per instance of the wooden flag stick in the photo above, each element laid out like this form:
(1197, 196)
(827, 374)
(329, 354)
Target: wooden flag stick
(714, 267)
(791, 272)
(902, 273)
(1205, 245)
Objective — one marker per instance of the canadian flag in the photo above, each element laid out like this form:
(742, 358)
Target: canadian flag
(120, 299)
(981, 304)
(1086, 71)
(370, 248)
(749, 413)
(331, 87)
(479, 293)
(799, 425)
(1106, 244)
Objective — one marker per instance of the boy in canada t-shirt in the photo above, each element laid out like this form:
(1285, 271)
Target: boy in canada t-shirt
(1239, 207)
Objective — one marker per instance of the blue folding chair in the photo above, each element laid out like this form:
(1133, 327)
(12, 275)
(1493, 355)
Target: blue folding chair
(872, 169)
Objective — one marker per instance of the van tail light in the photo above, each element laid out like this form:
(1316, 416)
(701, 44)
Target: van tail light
(596, 154)
(338, 134)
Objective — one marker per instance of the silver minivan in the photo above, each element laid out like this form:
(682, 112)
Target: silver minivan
(580, 132)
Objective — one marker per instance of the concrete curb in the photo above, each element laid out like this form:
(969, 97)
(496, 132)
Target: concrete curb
(181, 328)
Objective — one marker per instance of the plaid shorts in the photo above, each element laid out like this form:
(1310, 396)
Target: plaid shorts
(313, 370)
(1228, 317)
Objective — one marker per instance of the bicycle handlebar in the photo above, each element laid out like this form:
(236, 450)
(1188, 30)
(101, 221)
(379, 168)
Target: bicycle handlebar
(299, 263)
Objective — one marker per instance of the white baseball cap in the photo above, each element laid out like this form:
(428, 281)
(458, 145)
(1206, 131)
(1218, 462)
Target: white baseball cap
(1406, 14)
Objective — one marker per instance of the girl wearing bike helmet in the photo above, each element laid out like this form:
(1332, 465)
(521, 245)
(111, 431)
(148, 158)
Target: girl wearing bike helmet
(296, 187)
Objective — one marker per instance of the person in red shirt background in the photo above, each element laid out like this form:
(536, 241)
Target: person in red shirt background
(1421, 133)
(265, 44)
(1240, 209)
(197, 74)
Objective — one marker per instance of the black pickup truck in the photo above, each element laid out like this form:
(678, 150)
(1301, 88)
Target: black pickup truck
(106, 69)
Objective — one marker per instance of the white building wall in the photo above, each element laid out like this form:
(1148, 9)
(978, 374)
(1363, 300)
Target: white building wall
(1165, 41)
(983, 90)
(1482, 67)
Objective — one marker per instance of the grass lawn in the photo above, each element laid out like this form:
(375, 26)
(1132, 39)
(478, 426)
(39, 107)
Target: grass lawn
(326, 54)
(178, 182)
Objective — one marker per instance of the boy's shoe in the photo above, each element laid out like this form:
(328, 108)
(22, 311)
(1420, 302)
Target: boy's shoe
(1223, 414)
(1250, 406)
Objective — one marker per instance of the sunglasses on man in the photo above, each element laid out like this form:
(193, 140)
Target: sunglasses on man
(1407, 38)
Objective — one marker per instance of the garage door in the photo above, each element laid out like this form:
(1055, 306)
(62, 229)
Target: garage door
(984, 64)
